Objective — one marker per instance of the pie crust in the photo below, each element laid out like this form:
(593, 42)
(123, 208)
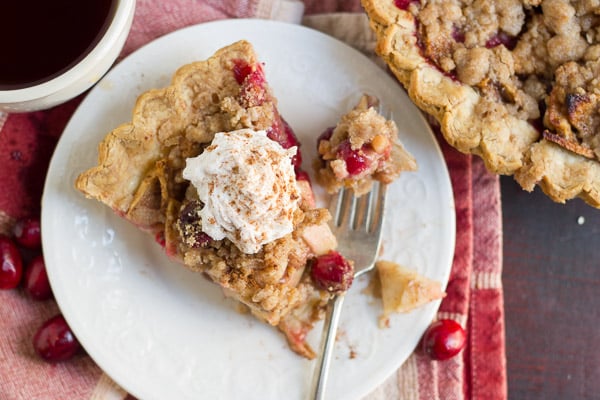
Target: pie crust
(514, 82)
(139, 175)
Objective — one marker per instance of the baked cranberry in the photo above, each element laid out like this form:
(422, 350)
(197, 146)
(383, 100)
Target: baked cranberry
(27, 233)
(538, 124)
(326, 135)
(190, 224)
(11, 264)
(510, 42)
(444, 339)
(302, 175)
(282, 133)
(203, 239)
(458, 35)
(241, 69)
(159, 238)
(36, 279)
(252, 90)
(54, 340)
(356, 162)
(291, 140)
(404, 4)
(332, 272)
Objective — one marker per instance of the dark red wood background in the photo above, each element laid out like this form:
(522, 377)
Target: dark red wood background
(551, 280)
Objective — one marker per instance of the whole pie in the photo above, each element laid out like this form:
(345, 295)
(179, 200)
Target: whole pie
(515, 82)
(209, 168)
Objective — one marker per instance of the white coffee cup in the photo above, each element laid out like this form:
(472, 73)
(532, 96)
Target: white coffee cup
(81, 76)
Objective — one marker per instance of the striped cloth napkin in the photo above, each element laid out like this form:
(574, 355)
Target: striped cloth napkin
(474, 291)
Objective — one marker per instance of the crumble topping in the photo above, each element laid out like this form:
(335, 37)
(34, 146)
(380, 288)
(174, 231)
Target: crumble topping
(532, 56)
(247, 184)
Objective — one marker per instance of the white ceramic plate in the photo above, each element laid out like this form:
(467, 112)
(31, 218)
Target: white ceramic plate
(163, 332)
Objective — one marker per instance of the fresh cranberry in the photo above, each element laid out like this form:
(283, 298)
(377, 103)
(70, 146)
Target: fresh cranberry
(54, 340)
(36, 279)
(404, 4)
(356, 162)
(28, 233)
(444, 339)
(332, 272)
(11, 264)
(510, 42)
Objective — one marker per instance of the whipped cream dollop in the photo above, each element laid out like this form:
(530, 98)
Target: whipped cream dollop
(248, 186)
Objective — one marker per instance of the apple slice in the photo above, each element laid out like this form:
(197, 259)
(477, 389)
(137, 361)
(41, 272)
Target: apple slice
(319, 238)
(403, 289)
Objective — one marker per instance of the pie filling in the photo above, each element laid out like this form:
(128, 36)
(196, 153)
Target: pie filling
(540, 58)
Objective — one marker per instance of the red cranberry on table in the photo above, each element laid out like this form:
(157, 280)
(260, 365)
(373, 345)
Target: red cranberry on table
(36, 279)
(332, 272)
(444, 339)
(54, 340)
(27, 233)
(11, 264)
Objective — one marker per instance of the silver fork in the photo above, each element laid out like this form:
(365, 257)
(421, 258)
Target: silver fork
(356, 223)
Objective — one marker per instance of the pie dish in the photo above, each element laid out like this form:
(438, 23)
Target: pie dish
(145, 170)
(363, 147)
(513, 82)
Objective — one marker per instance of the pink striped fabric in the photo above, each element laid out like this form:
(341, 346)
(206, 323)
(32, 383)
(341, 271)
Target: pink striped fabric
(474, 291)
(474, 298)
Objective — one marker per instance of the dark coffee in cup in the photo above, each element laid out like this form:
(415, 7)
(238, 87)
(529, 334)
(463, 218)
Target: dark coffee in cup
(43, 38)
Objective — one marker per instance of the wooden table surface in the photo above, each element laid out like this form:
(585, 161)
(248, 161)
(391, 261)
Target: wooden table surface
(551, 280)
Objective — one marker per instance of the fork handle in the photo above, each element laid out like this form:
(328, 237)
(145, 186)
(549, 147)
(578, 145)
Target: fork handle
(332, 317)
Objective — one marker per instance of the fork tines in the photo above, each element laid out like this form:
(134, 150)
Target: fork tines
(359, 213)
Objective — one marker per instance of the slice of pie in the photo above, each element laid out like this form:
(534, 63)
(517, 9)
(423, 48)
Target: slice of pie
(515, 82)
(209, 167)
(403, 289)
(363, 147)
